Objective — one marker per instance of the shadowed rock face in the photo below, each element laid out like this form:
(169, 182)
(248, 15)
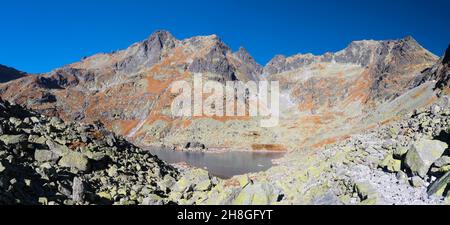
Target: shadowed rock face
(215, 61)
(8, 74)
(129, 90)
(147, 53)
(440, 72)
(247, 64)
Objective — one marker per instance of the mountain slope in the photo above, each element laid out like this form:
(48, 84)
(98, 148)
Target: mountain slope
(129, 90)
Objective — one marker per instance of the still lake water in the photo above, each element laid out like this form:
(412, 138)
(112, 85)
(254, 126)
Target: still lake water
(223, 164)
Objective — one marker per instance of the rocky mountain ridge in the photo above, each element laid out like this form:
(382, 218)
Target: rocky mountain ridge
(363, 53)
(129, 90)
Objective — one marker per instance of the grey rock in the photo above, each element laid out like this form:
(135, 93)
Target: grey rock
(443, 161)
(435, 109)
(365, 191)
(15, 121)
(422, 154)
(110, 140)
(46, 156)
(153, 199)
(400, 151)
(37, 139)
(416, 181)
(78, 190)
(57, 123)
(65, 189)
(34, 119)
(195, 145)
(75, 160)
(439, 185)
(14, 139)
(2, 168)
(59, 149)
(402, 176)
(327, 199)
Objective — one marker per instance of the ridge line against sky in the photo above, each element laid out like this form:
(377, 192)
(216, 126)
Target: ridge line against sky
(38, 36)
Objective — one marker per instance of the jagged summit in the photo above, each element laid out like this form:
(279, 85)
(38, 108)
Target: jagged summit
(200, 54)
(243, 54)
(211, 55)
(163, 34)
(248, 64)
(363, 53)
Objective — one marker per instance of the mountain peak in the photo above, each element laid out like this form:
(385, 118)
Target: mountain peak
(212, 42)
(277, 58)
(162, 36)
(243, 54)
(410, 39)
(275, 65)
(147, 52)
(247, 64)
(161, 33)
(242, 51)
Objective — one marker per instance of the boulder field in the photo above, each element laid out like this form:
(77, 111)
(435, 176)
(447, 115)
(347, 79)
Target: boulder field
(44, 160)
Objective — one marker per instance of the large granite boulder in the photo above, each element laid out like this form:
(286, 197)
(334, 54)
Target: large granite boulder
(422, 154)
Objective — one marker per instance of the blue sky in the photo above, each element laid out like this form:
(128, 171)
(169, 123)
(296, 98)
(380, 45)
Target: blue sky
(38, 36)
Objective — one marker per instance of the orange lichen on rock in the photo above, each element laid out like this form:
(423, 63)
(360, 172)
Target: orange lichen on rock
(125, 126)
(75, 145)
(224, 118)
(233, 182)
(359, 91)
(330, 141)
(420, 92)
(269, 147)
(157, 86)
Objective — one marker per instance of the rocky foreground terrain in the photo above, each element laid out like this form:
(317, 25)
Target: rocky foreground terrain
(403, 163)
(44, 160)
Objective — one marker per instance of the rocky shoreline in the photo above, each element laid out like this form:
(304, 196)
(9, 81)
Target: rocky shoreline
(210, 150)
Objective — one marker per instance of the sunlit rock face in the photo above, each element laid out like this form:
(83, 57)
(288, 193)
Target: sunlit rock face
(323, 98)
